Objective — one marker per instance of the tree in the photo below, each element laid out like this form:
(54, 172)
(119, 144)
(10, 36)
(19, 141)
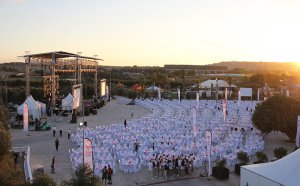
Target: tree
(9, 173)
(277, 113)
(83, 177)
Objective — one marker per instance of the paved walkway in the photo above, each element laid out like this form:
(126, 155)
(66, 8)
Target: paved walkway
(43, 149)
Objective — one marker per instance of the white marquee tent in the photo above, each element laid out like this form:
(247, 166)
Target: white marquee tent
(67, 102)
(43, 108)
(284, 171)
(34, 108)
(221, 84)
(153, 88)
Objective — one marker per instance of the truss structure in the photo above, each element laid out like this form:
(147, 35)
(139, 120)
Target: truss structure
(61, 62)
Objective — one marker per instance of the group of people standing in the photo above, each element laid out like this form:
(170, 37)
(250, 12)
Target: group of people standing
(165, 166)
(107, 174)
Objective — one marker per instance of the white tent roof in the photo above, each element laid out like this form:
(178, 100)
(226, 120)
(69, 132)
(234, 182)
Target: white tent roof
(285, 171)
(67, 102)
(155, 88)
(221, 84)
(33, 108)
(43, 107)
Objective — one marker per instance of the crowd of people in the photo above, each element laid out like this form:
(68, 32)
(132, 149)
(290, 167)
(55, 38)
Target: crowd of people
(172, 137)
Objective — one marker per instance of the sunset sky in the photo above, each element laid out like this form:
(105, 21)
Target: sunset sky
(153, 32)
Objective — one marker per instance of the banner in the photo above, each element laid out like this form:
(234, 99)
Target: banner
(197, 99)
(226, 93)
(88, 153)
(159, 94)
(224, 108)
(107, 91)
(208, 137)
(239, 98)
(25, 118)
(194, 113)
(298, 131)
(178, 92)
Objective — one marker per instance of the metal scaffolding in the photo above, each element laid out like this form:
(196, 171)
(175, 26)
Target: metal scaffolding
(71, 63)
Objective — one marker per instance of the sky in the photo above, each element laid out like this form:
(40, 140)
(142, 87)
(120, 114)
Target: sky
(153, 32)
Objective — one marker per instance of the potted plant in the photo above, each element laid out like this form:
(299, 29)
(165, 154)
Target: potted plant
(220, 171)
(243, 160)
(261, 157)
(280, 152)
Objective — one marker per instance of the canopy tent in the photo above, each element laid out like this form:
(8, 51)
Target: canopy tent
(67, 102)
(153, 88)
(221, 84)
(284, 171)
(43, 108)
(34, 108)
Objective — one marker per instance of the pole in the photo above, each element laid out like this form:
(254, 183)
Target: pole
(96, 83)
(53, 89)
(110, 85)
(83, 144)
(27, 63)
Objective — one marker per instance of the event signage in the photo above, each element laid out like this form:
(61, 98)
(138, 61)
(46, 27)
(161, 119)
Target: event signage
(194, 121)
(224, 108)
(208, 137)
(197, 98)
(159, 95)
(298, 131)
(88, 153)
(25, 118)
(107, 90)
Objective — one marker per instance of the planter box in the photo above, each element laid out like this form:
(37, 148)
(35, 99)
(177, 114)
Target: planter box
(237, 168)
(95, 112)
(220, 173)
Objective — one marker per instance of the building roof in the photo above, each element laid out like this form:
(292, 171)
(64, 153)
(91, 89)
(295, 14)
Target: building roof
(221, 84)
(58, 54)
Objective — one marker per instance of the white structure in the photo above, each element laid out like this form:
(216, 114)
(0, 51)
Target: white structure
(43, 108)
(67, 102)
(210, 86)
(34, 108)
(153, 88)
(284, 171)
(246, 92)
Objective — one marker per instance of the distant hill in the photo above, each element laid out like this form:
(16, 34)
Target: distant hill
(260, 66)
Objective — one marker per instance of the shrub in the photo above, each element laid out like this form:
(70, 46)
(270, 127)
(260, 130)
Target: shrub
(242, 157)
(280, 152)
(261, 157)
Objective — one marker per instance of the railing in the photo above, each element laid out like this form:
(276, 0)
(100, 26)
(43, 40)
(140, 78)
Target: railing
(27, 168)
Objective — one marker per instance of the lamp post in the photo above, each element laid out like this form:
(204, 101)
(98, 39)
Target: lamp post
(82, 125)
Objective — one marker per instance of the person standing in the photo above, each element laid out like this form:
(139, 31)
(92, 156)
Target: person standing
(125, 123)
(132, 113)
(69, 133)
(60, 133)
(56, 144)
(52, 165)
(104, 174)
(54, 130)
(109, 174)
